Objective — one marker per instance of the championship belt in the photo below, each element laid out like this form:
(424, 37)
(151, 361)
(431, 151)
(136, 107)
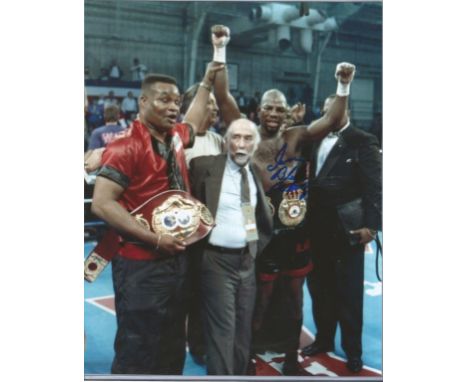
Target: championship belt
(292, 209)
(173, 212)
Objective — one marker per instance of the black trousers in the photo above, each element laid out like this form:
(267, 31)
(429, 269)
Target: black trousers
(195, 338)
(228, 295)
(336, 287)
(150, 301)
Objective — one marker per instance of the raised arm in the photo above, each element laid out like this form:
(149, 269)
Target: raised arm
(336, 115)
(228, 108)
(196, 112)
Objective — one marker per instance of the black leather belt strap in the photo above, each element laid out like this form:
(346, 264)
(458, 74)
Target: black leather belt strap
(229, 251)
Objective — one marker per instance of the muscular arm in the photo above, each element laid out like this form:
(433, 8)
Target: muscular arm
(229, 110)
(227, 104)
(105, 206)
(197, 109)
(335, 116)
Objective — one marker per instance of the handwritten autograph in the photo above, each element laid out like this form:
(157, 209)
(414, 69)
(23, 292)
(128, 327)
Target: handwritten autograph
(283, 172)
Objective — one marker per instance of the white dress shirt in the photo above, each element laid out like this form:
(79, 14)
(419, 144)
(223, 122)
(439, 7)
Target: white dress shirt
(229, 230)
(325, 147)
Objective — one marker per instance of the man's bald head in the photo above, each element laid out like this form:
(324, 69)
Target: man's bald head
(273, 111)
(274, 94)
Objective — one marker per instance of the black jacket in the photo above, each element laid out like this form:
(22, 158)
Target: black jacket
(353, 169)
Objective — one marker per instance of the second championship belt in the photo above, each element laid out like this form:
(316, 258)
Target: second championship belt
(292, 208)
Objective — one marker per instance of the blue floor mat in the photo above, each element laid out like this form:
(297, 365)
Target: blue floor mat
(100, 323)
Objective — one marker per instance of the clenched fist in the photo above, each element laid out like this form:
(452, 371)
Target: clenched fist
(345, 72)
(220, 35)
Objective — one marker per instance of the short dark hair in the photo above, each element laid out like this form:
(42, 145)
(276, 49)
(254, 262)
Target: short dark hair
(111, 113)
(152, 78)
(188, 97)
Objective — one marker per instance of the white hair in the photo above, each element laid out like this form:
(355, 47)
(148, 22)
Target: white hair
(251, 124)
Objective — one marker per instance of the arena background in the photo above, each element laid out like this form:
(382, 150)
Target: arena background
(267, 49)
(298, 57)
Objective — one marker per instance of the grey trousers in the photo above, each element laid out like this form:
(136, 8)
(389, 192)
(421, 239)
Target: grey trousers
(228, 296)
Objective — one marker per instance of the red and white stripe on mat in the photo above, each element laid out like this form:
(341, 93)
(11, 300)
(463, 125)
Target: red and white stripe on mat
(325, 364)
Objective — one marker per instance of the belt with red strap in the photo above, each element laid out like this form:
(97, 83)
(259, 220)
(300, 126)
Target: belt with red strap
(172, 212)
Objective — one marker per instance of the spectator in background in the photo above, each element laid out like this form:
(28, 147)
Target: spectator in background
(254, 103)
(138, 70)
(242, 102)
(95, 114)
(129, 106)
(87, 73)
(115, 73)
(101, 136)
(101, 101)
(104, 76)
(86, 129)
(111, 100)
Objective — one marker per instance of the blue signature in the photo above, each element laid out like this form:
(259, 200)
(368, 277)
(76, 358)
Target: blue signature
(284, 175)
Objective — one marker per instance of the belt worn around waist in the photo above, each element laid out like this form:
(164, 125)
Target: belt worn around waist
(229, 251)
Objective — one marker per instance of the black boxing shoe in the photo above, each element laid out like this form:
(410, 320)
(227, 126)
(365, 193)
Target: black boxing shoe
(291, 366)
(315, 348)
(354, 364)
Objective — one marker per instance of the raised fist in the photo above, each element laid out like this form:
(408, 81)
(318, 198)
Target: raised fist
(345, 72)
(220, 36)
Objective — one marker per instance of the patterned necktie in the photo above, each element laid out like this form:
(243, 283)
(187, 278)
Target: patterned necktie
(245, 189)
(245, 198)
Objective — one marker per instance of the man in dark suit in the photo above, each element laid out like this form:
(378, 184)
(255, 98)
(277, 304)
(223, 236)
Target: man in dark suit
(345, 184)
(233, 193)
